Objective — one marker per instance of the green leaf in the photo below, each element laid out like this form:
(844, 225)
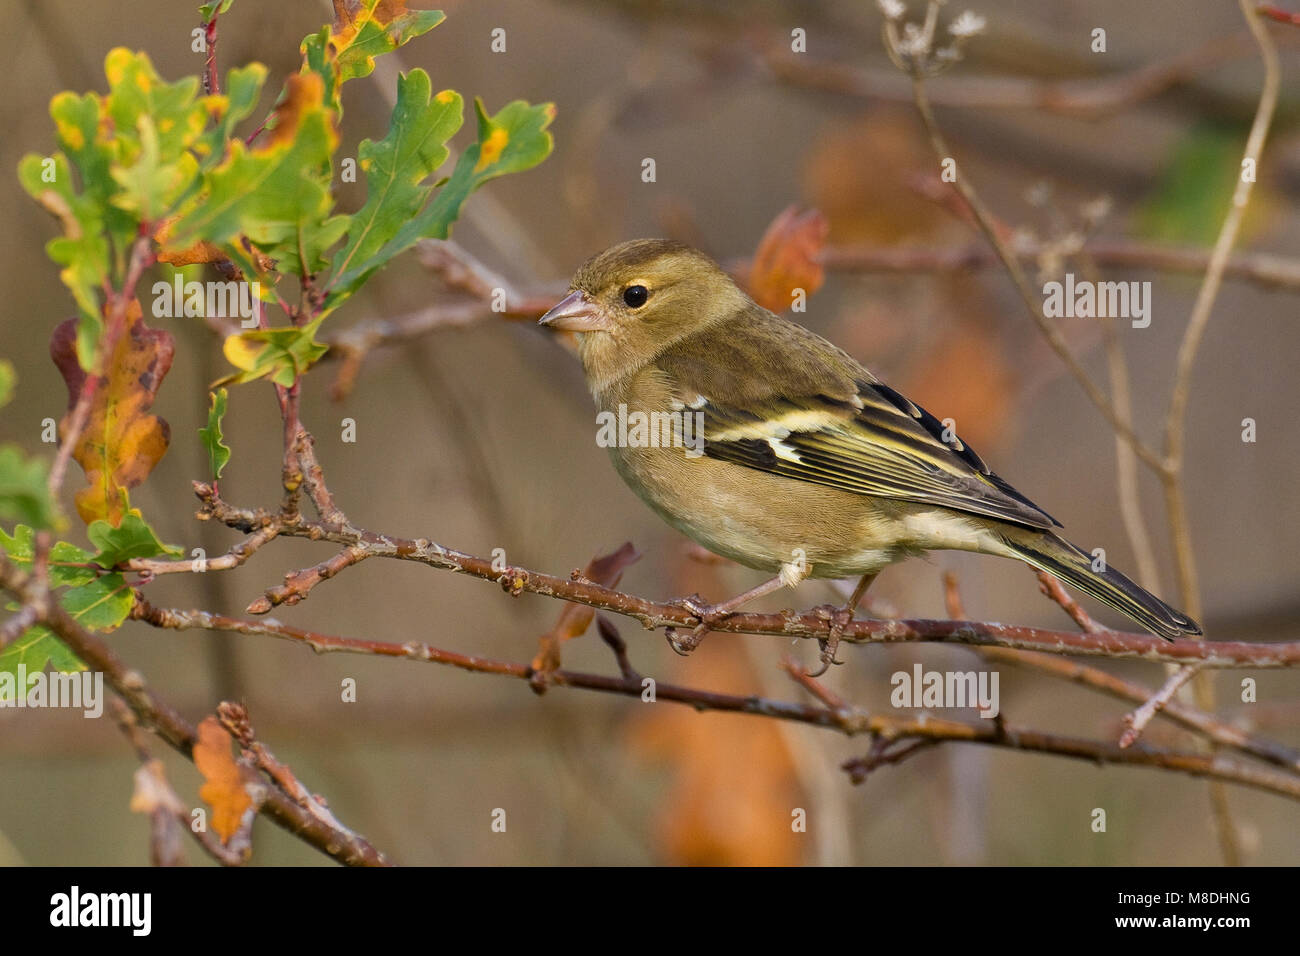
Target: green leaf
(214, 9)
(513, 140)
(20, 547)
(82, 250)
(177, 111)
(34, 650)
(149, 186)
(97, 601)
(397, 166)
(86, 137)
(243, 90)
(364, 30)
(133, 538)
(276, 195)
(374, 35)
(24, 495)
(279, 354)
(211, 436)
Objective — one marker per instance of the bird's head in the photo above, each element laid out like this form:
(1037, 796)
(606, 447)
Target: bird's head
(634, 300)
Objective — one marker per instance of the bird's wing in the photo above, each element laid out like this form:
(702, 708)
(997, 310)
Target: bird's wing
(795, 405)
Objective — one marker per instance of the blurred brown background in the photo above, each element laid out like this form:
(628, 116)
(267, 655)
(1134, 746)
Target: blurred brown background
(482, 438)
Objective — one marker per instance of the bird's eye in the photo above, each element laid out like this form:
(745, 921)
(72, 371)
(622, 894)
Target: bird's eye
(635, 296)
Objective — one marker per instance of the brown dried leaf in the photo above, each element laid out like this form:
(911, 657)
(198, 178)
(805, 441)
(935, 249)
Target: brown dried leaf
(153, 792)
(574, 619)
(224, 789)
(788, 259)
(121, 442)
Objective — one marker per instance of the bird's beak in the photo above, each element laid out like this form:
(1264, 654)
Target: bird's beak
(576, 313)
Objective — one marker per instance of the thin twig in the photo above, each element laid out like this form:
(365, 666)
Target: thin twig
(1138, 719)
(1176, 420)
(236, 556)
(298, 584)
(234, 717)
(1056, 592)
(1048, 328)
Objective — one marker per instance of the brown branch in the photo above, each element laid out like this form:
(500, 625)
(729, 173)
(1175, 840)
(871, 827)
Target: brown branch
(298, 584)
(154, 713)
(1176, 419)
(1189, 717)
(20, 621)
(211, 80)
(837, 715)
(1138, 719)
(609, 634)
(313, 478)
(1216, 767)
(1097, 679)
(808, 625)
(234, 717)
(177, 619)
(237, 555)
(1055, 591)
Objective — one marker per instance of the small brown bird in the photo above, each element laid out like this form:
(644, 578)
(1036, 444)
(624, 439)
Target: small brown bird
(769, 445)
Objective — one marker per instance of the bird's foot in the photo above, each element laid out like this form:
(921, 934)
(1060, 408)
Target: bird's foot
(707, 614)
(840, 618)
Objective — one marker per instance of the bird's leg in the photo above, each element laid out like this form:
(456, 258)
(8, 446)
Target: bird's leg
(709, 614)
(839, 621)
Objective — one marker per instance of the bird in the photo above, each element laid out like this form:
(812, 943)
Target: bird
(782, 452)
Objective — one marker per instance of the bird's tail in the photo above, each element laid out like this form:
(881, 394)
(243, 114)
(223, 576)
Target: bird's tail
(1053, 554)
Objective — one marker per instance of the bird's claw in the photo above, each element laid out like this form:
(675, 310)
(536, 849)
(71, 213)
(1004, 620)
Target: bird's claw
(707, 614)
(683, 644)
(829, 646)
(839, 618)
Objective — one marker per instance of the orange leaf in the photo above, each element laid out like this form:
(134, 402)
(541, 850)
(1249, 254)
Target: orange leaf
(121, 442)
(574, 619)
(787, 259)
(224, 787)
(201, 251)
